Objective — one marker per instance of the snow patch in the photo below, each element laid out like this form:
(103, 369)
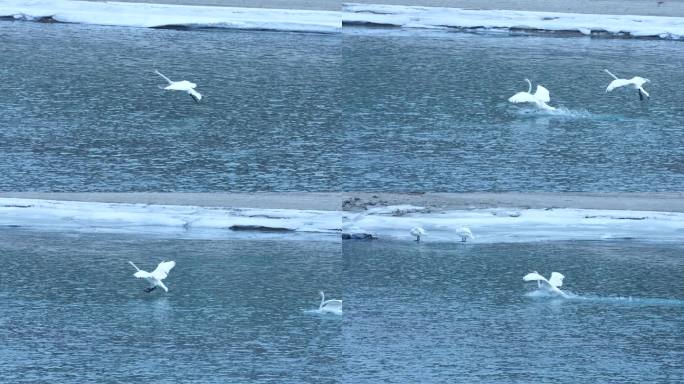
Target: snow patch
(166, 15)
(497, 20)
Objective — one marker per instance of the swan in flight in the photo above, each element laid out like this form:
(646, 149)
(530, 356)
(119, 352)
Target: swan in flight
(330, 306)
(465, 234)
(539, 98)
(555, 281)
(155, 277)
(636, 82)
(417, 232)
(183, 85)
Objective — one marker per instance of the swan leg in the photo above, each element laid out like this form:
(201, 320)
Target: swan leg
(641, 95)
(418, 238)
(150, 289)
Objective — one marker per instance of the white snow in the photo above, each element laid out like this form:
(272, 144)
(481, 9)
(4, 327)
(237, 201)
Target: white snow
(114, 217)
(157, 15)
(522, 225)
(389, 223)
(443, 18)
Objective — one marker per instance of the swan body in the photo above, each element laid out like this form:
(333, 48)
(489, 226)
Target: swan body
(465, 233)
(155, 277)
(330, 306)
(183, 85)
(539, 98)
(555, 281)
(417, 232)
(636, 82)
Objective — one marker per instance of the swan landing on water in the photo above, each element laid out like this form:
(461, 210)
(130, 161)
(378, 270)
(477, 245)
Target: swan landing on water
(552, 284)
(539, 98)
(183, 85)
(330, 306)
(155, 277)
(417, 232)
(636, 82)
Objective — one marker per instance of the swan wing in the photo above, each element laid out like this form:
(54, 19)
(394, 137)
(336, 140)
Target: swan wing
(556, 279)
(542, 94)
(163, 270)
(617, 84)
(522, 97)
(195, 95)
(142, 274)
(534, 276)
(333, 305)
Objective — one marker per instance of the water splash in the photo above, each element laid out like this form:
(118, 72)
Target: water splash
(629, 300)
(319, 312)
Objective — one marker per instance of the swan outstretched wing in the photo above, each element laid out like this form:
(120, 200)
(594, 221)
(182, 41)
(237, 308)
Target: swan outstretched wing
(195, 95)
(165, 78)
(333, 305)
(163, 270)
(522, 97)
(542, 94)
(617, 83)
(142, 274)
(556, 279)
(534, 276)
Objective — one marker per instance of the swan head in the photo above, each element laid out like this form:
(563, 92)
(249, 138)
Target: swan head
(321, 294)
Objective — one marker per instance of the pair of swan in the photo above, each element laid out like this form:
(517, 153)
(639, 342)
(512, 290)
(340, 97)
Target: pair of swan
(160, 273)
(463, 232)
(541, 96)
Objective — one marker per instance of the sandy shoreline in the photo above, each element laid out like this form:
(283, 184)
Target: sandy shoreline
(608, 7)
(664, 202)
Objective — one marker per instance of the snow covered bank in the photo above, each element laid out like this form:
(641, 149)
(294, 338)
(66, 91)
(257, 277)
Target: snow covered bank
(392, 222)
(505, 20)
(96, 217)
(516, 225)
(163, 15)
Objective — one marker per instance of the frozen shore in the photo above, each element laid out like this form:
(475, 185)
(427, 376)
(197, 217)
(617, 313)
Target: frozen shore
(638, 19)
(492, 217)
(155, 15)
(417, 17)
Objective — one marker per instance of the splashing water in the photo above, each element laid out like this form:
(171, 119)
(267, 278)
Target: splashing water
(629, 300)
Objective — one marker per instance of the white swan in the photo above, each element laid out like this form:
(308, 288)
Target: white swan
(417, 232)
(636, 82)
(555, 281)
(465, 233)
(539, 98)
(183, 85)
(330, 306)
(155, 277)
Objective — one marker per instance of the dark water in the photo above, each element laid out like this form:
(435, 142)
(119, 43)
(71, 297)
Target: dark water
(462, 314)
(430, 113)
(236, 311)
(356, 111)
(83, 111)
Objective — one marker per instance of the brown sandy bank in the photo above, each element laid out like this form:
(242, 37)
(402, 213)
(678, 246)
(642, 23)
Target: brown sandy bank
(665, 202)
